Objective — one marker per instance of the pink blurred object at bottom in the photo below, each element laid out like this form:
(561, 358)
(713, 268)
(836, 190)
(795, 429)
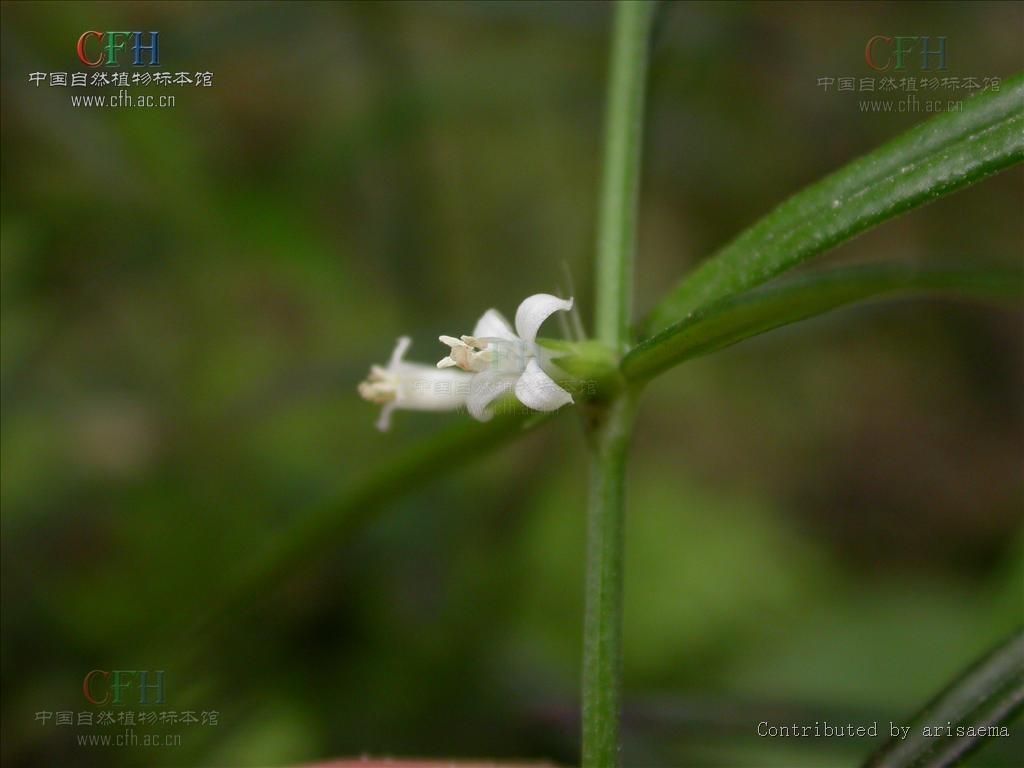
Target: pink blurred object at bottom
(386, 762)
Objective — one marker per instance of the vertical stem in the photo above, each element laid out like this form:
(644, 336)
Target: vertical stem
(602, 625)
(612, 423)
(624, 112)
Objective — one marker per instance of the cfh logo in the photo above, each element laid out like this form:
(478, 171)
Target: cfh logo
(98, 48)
(102, 687)
(883, 52)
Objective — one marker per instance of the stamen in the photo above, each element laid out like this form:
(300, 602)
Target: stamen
(380, 386)
(468, 353)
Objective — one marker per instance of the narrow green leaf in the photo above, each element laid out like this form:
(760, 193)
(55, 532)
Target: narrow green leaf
(934, 159)
(987, 695)
(739, 317)
(325, 529)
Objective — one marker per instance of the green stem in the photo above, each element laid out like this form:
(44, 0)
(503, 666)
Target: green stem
(602, 626)
(610, 421)
(616, 229)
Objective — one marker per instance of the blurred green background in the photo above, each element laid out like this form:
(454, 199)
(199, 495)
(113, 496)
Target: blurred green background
(823, 523)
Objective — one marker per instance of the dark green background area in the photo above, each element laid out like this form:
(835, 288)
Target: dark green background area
(823, 523)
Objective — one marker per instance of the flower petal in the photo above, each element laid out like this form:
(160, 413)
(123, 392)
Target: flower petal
(535, 389)
(534, 310)
(401, 346)
(485, 388)
(493, 325)
(425, 388)
(384, 422)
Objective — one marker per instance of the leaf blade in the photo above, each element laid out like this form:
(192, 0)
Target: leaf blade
(735, 318)
(989, 693)
(309, 538)
(932, 160)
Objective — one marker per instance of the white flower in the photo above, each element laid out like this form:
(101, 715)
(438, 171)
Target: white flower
(413, 386)
(501, 359)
